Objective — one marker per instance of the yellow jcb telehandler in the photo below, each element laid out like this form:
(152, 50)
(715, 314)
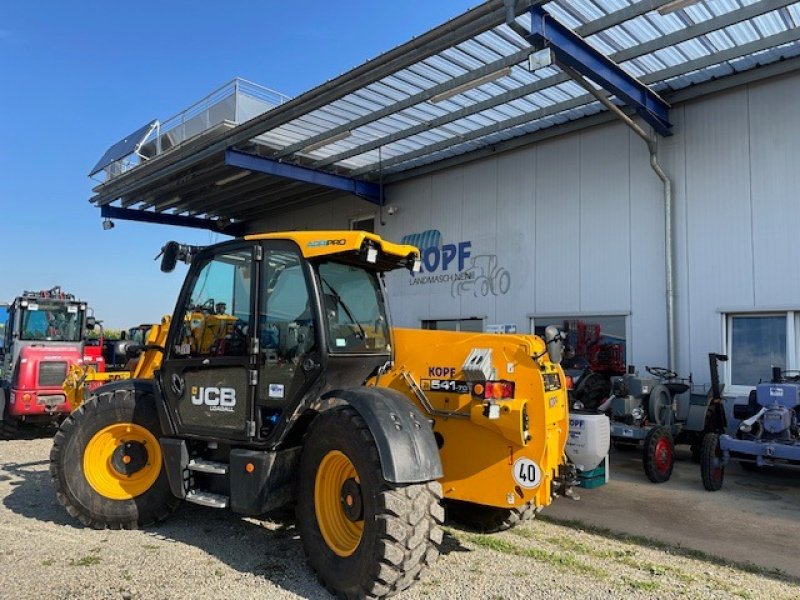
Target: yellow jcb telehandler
(280, 380)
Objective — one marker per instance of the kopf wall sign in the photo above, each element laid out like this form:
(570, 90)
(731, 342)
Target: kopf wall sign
(458, 265)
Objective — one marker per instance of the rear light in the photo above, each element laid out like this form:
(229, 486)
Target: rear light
(570, 383)
(494, 390)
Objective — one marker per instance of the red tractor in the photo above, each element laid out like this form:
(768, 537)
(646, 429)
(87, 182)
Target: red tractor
(44, 336)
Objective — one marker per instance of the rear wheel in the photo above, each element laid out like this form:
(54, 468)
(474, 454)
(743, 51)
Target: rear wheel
(363, 536)
(712, 470)
(488, 519)
(659, 455)
(106, 462)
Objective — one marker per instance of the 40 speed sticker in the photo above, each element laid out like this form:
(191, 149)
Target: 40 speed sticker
(527, 473)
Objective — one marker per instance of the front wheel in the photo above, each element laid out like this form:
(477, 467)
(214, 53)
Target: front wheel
(712, 470)
(363, 536)
(659, 455)
(106, 463)
(488, 519)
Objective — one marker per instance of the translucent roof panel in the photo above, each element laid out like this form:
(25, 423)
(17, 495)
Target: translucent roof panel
(435, 100)
(684, 47)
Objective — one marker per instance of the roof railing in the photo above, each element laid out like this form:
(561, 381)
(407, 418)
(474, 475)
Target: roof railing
(233, 103)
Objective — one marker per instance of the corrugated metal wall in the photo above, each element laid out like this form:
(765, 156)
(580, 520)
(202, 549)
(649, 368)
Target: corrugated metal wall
(577, 222)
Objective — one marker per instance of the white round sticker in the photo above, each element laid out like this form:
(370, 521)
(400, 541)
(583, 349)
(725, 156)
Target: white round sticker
(527, 473)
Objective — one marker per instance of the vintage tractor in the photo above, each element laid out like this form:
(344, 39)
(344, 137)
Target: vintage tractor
(280, 380)
(658, 411)
(768, 434)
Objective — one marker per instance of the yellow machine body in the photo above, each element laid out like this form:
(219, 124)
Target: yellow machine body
(501, 452)
(82, 379)
(486, 452)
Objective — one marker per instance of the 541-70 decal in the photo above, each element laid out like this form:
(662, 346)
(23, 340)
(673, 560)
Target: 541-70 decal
(452, 386)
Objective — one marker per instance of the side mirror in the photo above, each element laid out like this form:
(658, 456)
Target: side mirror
(91, 322)
(169, 256)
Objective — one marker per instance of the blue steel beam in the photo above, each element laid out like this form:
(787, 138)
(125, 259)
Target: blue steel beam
(571, 49)
(129, 214)
(364, 189)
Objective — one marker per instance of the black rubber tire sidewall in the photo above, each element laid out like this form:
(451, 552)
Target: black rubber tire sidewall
(708, 453)
(66, 463)
(648, 456)
(346, 575)
(487, 519)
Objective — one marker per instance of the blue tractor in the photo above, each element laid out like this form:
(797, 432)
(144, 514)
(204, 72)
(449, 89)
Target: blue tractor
(767, 435)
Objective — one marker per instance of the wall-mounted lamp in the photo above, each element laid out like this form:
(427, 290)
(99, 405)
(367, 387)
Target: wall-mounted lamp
(108, 224)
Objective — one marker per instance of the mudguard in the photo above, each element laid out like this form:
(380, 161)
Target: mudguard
(406, 446)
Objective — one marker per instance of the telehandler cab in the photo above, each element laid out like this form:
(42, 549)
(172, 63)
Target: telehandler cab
(280, 380)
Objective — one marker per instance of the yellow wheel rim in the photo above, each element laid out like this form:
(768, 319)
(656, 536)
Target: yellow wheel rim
(340, 532)
(122, 461)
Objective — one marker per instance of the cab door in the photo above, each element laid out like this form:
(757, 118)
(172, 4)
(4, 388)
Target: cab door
(208, 377)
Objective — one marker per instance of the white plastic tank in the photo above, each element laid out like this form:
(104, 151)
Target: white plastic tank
(589, 439)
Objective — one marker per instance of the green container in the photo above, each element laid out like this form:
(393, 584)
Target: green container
(594, 478)
(594, 482)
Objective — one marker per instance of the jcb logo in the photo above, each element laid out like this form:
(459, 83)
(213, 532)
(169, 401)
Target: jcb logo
(215, 397)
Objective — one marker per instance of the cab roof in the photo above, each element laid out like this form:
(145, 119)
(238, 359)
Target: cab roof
(344, 244)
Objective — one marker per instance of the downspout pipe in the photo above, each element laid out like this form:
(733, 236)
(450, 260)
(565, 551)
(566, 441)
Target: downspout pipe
(652, 146)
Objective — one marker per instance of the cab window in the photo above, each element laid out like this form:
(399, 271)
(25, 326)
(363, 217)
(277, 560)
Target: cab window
(286, 329)
(216, 316)
(354, 309)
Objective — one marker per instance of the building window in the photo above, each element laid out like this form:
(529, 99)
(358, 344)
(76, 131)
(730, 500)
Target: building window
(454, 324)
(757, 342)
(598, 341)
(364, 223)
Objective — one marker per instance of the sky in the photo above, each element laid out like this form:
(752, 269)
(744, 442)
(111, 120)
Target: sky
(79, 76)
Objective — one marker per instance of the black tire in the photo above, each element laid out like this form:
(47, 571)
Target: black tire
(488, 519)
(710, 453)
(9, 430)
(658, 457)
(66, 463)
(401, 531)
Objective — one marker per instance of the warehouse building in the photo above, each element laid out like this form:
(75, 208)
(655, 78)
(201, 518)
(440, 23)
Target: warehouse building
(532, 202)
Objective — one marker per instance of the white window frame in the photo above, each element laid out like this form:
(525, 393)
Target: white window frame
(792, 342)
(364, 217)
(588, 315)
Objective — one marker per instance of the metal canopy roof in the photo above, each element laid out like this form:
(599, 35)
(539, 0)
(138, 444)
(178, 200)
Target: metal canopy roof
(461, 87)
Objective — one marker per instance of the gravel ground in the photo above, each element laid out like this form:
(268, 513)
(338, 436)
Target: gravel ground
(213, 554)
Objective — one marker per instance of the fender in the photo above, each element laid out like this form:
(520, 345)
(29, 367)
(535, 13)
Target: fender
(404, 437)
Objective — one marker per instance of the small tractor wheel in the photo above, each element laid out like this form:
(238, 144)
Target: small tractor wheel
(659, 455)
(488, 519)
(363, 536)
(106, 462)
(711, 469)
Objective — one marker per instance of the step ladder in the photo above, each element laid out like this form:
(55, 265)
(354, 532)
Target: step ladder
(202, 497)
